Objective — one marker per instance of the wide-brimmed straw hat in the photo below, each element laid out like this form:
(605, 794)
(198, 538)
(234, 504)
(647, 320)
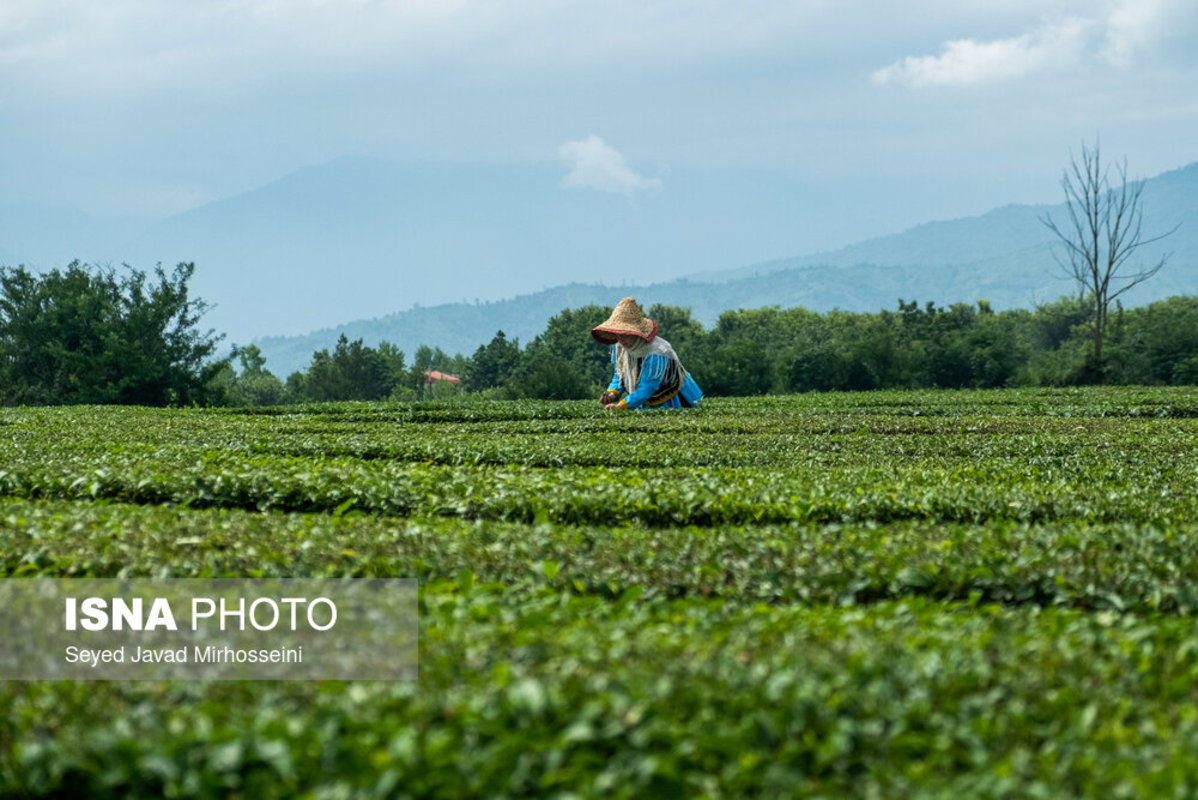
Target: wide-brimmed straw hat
(626, 318)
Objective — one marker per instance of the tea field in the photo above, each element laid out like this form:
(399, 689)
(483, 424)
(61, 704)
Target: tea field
(892, 594)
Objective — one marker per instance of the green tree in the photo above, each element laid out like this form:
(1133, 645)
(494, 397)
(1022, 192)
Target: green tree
(852, 351)
(255, 385)
(678, 327)
(550, 377)
(819, 368)
(87, 335)
(352, 371)
(394, 371)
(938, 344)
(1060, 352)
(1056, 323)
(739, 355)
(1155, 343)
(295, 388)
(567, 335)
(994, 348)
(493, 363)
(738, 367)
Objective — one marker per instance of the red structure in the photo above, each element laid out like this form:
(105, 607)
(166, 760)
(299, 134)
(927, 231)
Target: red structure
(431, 376)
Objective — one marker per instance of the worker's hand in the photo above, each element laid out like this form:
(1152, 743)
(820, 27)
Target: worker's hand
(614, 406)
(610, 397)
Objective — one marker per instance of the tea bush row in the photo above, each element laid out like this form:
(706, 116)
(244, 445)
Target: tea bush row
(1118, 566)
(561, 694)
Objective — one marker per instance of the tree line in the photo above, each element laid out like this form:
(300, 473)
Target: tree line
(88, 335)
(777, 351)
(93, 335)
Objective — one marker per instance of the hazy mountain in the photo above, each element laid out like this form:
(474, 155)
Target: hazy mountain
(1004, 256)
(361, 238)
(1010, 234)
(454, 327)
(1018, 281)
(462, 327)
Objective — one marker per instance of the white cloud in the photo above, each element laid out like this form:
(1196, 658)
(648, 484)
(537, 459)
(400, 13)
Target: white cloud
(1116, 33)
(594, 164)
(1133, 26)
(965, 62)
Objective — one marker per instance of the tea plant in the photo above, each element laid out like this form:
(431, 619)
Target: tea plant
(891, 594)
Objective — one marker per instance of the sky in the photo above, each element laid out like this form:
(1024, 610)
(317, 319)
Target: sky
(924, 109)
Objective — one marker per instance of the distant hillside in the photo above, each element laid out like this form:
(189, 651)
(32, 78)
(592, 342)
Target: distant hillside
(1004, 256)
(1002, 234)
(996, 234)
(363, 239)
(360, 238)
(1019, 281)
(462, 327)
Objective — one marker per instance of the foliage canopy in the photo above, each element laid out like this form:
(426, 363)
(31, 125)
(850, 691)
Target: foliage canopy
(91, 335)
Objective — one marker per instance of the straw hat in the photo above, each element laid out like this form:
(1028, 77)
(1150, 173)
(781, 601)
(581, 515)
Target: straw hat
(626, 318)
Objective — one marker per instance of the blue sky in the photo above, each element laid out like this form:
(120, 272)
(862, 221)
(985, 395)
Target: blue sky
(926, 109)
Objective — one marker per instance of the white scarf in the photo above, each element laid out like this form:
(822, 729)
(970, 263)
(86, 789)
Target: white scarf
(630, 359)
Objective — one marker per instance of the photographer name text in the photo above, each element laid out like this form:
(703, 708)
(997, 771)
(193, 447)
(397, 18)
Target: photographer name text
(210, 654)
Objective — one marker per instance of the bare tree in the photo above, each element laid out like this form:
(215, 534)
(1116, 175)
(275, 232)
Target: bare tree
(1103, 236)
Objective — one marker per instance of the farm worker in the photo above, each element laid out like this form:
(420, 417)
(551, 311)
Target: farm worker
(648, 373)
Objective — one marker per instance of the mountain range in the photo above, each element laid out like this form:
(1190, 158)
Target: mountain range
(446, 255)
(361, 237)
(1006, 257)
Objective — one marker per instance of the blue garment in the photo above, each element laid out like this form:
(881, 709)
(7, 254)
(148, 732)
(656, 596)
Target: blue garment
(653, 369)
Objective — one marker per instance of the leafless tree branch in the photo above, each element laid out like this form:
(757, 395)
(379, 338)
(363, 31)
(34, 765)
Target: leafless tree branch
(1104, 234)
